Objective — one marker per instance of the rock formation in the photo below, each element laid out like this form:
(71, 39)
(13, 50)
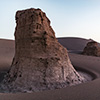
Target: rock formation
(40, 62)
(92, 48)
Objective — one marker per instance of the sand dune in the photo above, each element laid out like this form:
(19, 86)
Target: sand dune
(86, 91)
(6, 56)
(73, 43)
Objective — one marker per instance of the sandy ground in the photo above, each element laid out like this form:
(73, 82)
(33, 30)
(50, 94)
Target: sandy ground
(6, 56)
(86, 91)
(6, 53)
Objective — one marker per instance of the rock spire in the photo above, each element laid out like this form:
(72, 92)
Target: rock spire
(40, 62)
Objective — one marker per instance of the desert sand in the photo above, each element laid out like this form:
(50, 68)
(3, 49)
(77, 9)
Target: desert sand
(6, 56)
(74, 44)
(87, 64)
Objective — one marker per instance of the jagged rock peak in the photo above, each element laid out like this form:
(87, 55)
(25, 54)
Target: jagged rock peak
(40, 62)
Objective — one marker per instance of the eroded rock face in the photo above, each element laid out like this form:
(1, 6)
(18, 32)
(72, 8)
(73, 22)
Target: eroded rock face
(92, 48)
(40, 62)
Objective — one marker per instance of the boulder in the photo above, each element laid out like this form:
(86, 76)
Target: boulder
(92, 49)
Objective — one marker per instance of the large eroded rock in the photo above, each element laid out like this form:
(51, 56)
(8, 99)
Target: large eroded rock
(40, 62)
(92, 48)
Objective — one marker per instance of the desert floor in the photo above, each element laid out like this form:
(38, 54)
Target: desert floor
(87, 64)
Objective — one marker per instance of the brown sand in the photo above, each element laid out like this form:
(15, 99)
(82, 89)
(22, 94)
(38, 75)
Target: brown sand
(6, 56)
(74, 44)
(86, 91)
(6, 53)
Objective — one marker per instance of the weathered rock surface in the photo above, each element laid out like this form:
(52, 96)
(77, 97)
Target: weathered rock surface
(40, 62)
(92, 48)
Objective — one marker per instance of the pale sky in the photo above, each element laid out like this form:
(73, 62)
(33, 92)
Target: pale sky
(69, 18)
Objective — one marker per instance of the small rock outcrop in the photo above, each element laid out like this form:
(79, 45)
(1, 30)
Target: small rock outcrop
(92, 48)
(40, 62)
